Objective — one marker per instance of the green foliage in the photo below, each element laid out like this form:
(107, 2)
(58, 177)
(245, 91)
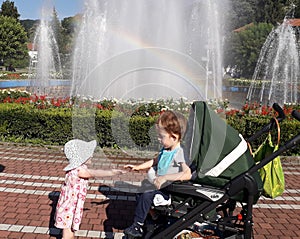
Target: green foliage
(69, 28)
(55, 126)
(104, 130)
(250, 124)
(66, 40)
(297, 9)
(271, 11)
(9, 9)
(243, 48)
(147, 109)
(147, 136)
(30, 28)
(268, 11)
(28, 124)
(242, 13)
(57, 29)
(83, 123)
(241, 52)
(13, 42)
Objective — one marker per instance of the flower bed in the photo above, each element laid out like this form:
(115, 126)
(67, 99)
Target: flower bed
(13, 75)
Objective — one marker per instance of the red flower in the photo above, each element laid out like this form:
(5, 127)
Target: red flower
(34, 98)
(220, 111)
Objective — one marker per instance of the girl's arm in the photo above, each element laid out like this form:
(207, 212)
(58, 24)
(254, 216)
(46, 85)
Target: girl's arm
(183, 175)
(146, 165)
(92, 173)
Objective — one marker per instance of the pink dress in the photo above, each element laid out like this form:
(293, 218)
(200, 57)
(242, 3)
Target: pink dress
(69, 208)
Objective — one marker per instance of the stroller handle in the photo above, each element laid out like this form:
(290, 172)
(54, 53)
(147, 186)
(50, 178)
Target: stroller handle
(279, 110)
(269, 126)
(296, 114)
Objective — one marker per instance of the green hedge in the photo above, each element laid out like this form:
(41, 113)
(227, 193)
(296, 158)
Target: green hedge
(55, 126)
(248, 125)
(25, 123)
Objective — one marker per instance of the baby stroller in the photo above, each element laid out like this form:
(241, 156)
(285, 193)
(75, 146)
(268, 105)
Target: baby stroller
(225, 174)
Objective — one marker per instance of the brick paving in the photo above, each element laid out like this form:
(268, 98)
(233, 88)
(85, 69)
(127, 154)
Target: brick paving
(30, 180)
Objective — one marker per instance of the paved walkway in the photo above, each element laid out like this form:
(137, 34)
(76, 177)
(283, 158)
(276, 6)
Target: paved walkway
(30, 180)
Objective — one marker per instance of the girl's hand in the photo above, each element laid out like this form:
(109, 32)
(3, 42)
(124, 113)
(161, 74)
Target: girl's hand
(131, 167)
(159, 181)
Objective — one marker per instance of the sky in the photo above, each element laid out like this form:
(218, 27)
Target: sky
(31, 9)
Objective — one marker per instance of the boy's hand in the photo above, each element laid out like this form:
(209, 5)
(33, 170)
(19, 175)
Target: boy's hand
(118, 171)
(131, 167)
(159, 181)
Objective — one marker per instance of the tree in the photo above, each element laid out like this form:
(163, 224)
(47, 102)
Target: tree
(9, 9)
(242, 48)
(13, 42)
(30, 27)
(70, 26)
(57, 29)
(297, 9)
(271, 11)
(242, 13)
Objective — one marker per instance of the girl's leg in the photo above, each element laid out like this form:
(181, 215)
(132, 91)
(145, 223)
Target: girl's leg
(68, 233)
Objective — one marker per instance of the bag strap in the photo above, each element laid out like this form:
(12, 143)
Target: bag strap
(278, 136)
(250, 148)
(278, 130)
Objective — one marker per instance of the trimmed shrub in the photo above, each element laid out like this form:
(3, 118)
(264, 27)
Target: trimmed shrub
(55, 126)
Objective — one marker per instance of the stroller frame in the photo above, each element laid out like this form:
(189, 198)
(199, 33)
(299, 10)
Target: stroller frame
(220, 198)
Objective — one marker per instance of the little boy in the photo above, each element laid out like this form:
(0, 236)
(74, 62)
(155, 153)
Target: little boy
(170, 165)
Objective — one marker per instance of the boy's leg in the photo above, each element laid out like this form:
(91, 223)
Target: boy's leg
(144, 202)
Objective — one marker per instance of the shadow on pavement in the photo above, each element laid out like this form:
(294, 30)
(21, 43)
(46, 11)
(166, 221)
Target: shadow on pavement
(119, 210)
(2, 168)
(53, 231)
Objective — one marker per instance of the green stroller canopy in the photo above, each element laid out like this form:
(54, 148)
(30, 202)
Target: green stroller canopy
(218, 153)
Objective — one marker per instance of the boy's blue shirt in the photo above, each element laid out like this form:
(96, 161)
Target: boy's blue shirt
(165, 158)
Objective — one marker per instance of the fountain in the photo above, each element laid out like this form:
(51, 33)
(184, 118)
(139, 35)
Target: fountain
(277, 73)
(47, 66)
(149, 49)
(145, 50)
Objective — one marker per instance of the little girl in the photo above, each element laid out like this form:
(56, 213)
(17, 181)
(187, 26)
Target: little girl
(73, 192)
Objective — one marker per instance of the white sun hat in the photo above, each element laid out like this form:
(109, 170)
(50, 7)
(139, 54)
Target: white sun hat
(78, 152)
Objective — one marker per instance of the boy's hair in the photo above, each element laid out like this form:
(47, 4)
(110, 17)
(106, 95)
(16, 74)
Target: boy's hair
(173, 123)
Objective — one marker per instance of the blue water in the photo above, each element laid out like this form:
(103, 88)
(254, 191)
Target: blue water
(235, 89)
(23, 83)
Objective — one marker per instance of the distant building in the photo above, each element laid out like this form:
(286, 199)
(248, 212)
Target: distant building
(33, 54)
(295, 22)
(243, 27)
